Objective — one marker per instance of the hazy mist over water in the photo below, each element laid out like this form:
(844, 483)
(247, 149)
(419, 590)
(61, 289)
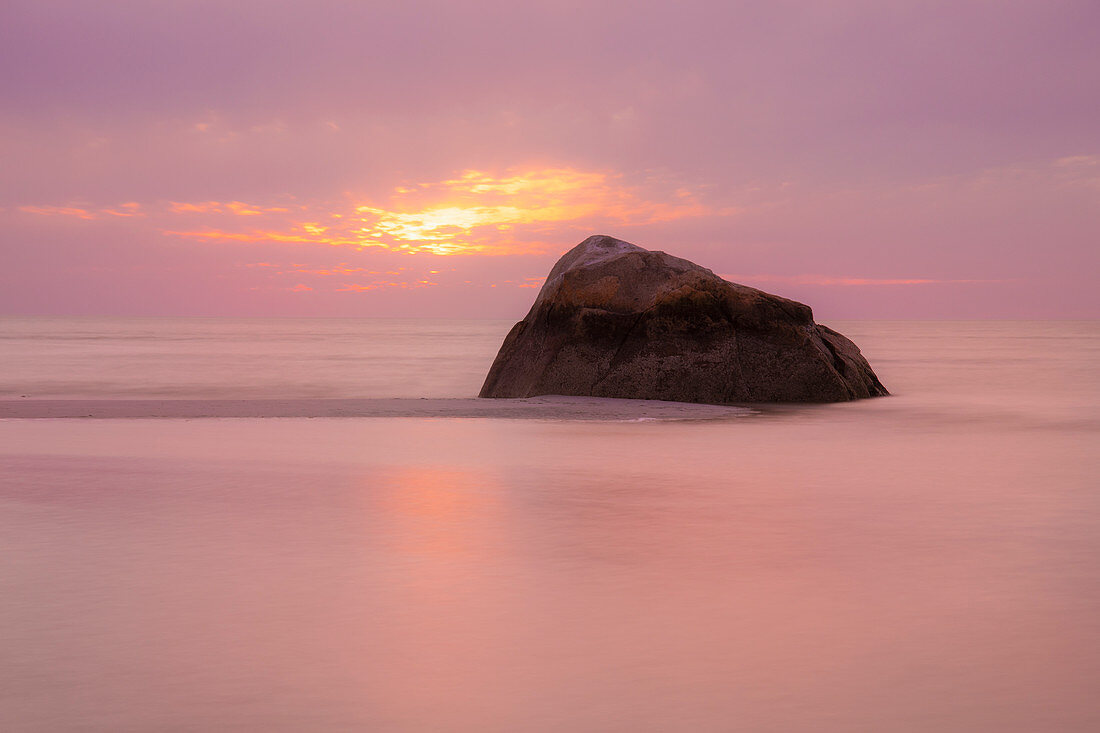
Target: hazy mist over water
(1044, 364)
(927, 561)
(245, 358)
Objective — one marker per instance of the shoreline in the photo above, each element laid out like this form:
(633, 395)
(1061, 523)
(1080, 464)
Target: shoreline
(530, 408)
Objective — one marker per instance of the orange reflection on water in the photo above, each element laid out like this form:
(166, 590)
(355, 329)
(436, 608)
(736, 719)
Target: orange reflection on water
(440, 512)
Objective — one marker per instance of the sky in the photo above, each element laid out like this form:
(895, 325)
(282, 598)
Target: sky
(902, 159)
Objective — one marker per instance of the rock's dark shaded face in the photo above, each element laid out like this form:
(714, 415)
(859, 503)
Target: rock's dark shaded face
(616, 320)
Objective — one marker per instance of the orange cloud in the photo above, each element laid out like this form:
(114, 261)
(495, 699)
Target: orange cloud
(181, 207)
(242, 209)
(271, 235)
(238, 208)
(362, 280)
(519, 211)
(342, 270)
(480, 212)
(379, 284)
(826, 280)
(474, 213)
(130, 208)
(59, 211)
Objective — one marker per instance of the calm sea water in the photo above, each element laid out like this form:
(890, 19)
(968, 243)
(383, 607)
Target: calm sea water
(222, 358)
(927, 561)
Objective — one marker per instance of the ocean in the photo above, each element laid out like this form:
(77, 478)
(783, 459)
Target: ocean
(426, 561)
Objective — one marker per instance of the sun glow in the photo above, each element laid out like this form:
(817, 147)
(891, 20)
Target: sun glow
(475, 213)
(444, 230)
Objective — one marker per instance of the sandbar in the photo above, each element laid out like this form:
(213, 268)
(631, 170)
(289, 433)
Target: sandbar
(537, 408)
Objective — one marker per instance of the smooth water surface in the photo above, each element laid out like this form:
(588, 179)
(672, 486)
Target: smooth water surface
(244, 358)
(928, 561)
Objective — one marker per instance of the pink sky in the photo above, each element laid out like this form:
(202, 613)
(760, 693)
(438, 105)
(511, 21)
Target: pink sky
(873, 159)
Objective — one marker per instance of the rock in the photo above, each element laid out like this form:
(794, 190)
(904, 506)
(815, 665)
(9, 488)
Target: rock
(616, 320)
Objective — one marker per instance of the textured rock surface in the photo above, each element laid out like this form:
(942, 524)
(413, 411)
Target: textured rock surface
(616, 320)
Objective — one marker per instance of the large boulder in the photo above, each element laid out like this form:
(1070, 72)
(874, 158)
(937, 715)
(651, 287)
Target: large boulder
(616, 320)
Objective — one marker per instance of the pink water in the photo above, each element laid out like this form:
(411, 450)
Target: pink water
(929, 561)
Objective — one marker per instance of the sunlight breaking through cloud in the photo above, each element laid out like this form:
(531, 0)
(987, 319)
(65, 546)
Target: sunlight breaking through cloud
(475, 213)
